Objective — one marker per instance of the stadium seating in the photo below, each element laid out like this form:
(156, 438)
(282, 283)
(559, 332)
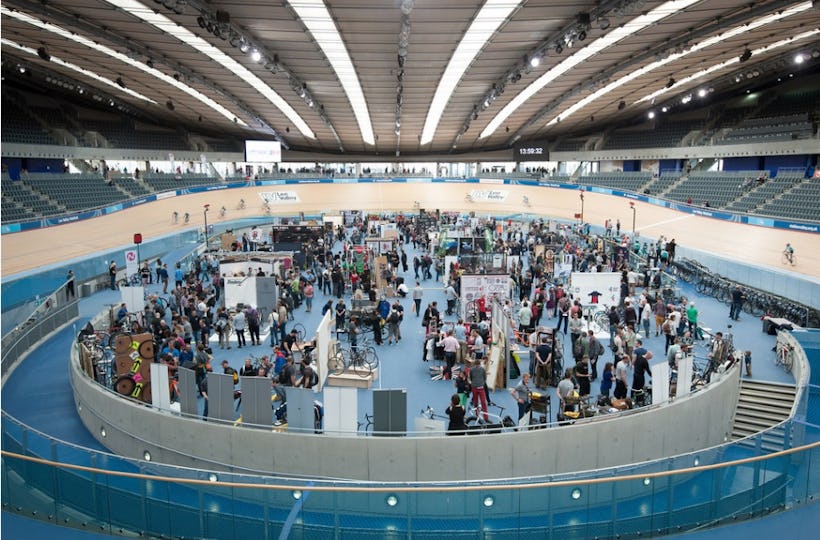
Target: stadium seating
(716, 188)
(628, 181)
(799, 202)
(168, 181)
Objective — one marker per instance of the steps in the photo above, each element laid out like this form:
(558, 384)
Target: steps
(760, 406)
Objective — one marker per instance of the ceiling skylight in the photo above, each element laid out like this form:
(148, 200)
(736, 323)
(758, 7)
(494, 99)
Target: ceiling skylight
(187, 37)
(488, 20)
(714, 40)
(125, 59)
(317, 19)
(632, 27)
(78, 69)
(731, 61)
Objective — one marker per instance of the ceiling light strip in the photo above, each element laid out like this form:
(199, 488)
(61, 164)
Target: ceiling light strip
(486, 23)
(319, 23)
(187, 37)
(635, 25)
(125, 59)
(78, 69)
(714, 40)
(731, 61)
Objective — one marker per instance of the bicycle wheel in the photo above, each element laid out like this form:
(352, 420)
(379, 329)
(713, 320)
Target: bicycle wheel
(300, 331)
(361, 366)
(372, 357)
(123, 283)
(337, 362)
(125, 385)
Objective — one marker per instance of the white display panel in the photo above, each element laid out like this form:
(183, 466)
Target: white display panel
(660, 383)
(341, 405)
(684, 377)
(160, 391)
(240, 289)
(601, 288)
(263, 152)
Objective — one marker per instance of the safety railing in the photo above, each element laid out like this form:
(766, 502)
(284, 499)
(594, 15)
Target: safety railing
(49, 314)
(78, 487)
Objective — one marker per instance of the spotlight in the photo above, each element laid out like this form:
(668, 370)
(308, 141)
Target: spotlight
(798, 58)
(170, 105)
(670, 83)
(621, 105)
(582, 35)
(746, 55)
(686, 99)
(110, 102)
(558, 48)
(535, 60)
(149, 63)
(21, 69)
(702, 92)
(201, 21)
(234, 39)
(176, 76)
(603, 23)
(120, 82)
(244, 46)
(42, 53)
(651, 114)
(664, 109)
(256, 55)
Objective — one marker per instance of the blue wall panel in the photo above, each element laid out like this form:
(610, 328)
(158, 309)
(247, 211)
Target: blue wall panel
(753, 163)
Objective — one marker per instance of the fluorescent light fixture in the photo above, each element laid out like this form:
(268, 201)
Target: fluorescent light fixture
(486, 23)
(714, 40)
(187, 37)
(630, 28)
(78, 69)
(122, 58)
(730, 62)
(319, 23)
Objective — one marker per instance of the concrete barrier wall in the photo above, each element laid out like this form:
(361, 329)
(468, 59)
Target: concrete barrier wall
(695, 422)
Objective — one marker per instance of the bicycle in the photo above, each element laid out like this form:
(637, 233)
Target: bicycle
(241, 205)
(175, 217)
(362, 360)
(495, 423)
(222, 212)
(784, 356)
(266, 208)
(788, 257)
(130, 281)
(187, 217)
(368, 423)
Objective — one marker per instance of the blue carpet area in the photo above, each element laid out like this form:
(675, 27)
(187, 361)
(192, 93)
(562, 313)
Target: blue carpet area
(38, 393)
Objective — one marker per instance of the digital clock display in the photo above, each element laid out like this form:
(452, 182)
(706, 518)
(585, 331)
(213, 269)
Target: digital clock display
(530, 152)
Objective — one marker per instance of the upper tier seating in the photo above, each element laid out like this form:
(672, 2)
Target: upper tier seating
(168, 181)
(647, 136)
(19, 127)
(628, 181)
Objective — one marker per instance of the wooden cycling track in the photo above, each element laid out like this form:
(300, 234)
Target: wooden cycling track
(761, 246)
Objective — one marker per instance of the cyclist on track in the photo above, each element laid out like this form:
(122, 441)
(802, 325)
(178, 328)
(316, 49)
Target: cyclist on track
(789, 252)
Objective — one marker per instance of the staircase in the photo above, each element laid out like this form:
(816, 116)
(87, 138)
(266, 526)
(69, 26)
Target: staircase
(760, 406)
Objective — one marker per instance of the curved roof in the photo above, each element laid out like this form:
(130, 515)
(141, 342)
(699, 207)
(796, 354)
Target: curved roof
(386, 76)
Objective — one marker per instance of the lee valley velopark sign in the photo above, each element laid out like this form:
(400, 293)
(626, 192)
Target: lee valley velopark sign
(489, 195)
(274, 197)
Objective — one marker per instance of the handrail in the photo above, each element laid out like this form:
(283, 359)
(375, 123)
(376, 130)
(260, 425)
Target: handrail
(419, 489)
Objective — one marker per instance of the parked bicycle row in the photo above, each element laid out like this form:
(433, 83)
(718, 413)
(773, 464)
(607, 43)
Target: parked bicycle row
(755, 302)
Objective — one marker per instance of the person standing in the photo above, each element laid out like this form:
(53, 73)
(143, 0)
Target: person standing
(596, 350)
(692, 319)
(524, 317)
(478, 378)
(341, 316)
(418, 293)
(252, 322)
(737, 303)
(646, 317)
(542, 361)
(69, 285)
(239, 323)
(450, 346)
(456, 414)
(621, 383)
(162, 277)
(308, 293)
(521, 393)
(607, 378)
(582, 375)
(451, 295)
(112, 275)
(640, 363)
